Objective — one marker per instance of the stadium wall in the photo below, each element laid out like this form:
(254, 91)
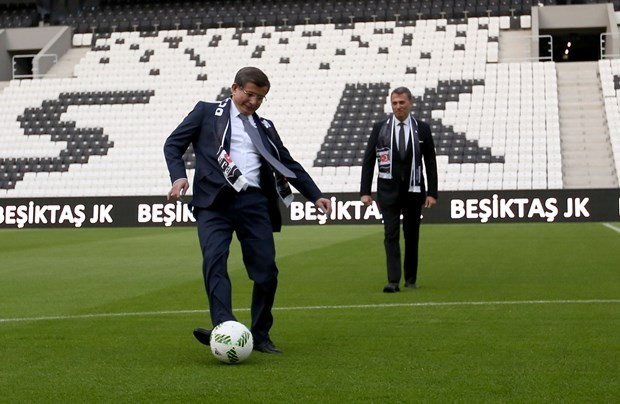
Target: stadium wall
(48, 43)
(5, 59)
(544, 206)
(575, 17)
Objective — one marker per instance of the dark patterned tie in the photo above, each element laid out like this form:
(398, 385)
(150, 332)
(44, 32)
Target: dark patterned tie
(402, 143)
(260, 146)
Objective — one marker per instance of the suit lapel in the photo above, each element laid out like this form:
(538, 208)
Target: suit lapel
(222, 123)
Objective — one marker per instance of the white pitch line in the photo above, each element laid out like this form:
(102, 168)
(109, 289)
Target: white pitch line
(336, 307)
(611, 226)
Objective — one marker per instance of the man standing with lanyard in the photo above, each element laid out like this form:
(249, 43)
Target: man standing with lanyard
(398, 144)
(242, 168)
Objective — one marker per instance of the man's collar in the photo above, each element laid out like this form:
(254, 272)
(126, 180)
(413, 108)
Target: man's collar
(407, 120)
(234, 111)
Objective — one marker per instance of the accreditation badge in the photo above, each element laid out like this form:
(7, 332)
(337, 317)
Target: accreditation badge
(384, 162)
(231, 171)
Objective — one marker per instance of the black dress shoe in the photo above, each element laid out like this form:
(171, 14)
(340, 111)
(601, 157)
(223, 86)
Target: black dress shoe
(203, 336)
(411, 285)
(267, 347)
(391, 288)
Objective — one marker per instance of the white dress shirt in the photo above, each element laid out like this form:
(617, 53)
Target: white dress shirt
(242, 150)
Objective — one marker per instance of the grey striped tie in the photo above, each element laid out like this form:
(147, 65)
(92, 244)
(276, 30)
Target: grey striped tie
(260, 146)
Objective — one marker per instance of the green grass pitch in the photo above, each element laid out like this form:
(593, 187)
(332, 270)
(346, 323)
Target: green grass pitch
(512, 313)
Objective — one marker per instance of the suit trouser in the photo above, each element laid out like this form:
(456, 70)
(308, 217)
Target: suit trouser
(246, 214)
(410, 205)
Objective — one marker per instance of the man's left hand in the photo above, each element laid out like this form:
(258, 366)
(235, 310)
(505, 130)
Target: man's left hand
(430, 202)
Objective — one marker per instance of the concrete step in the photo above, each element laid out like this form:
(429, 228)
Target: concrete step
(578, 76)
(572, 104)
(570, 97)
(590, 183)
(588, 133)
(579, 102)
(582, 122)
(591, 175)
(601, 172)
(595, 124)
(576, 67)
(587, 110)
(577, 151)
(583, 145)
(590, 91)
(578, 82)
(571, 128)
(571, 100)
(587, 158)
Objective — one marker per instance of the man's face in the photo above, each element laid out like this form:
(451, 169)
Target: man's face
(401, 106)
(249, 97)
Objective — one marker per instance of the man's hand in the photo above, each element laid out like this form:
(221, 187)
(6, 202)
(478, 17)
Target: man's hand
(430, 202)
(179, 188)
(324, 205)
(366, 200)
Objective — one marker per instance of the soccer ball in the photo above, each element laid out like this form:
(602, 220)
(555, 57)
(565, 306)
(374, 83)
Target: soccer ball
(231, 342)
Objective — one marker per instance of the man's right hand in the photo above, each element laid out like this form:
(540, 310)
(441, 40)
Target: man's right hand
(179, 188)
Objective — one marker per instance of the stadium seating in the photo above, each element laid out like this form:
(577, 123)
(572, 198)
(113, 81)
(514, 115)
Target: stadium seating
(100, 132)
(188, 15)
(18, 15)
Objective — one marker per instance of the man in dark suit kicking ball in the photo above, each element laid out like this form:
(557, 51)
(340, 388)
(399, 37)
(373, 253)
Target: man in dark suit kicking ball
(242, 168)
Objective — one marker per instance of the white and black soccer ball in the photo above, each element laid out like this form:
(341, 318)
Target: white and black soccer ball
(231, 342)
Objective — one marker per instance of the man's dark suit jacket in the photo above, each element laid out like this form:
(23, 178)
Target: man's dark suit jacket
(198, 129)
(388, 189)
